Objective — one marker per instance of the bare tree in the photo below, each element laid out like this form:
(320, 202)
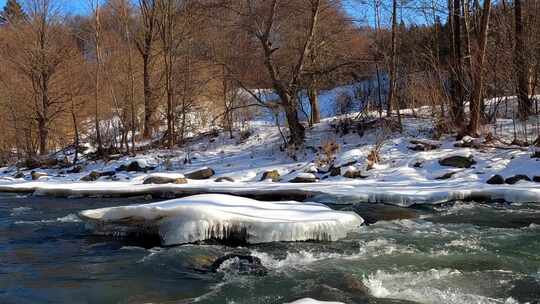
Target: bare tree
(478, 71)
(145, 45)
(521, 66)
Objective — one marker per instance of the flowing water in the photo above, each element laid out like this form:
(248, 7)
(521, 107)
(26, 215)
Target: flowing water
(459, 253)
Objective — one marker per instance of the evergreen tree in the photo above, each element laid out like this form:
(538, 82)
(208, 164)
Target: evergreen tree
(12, 13)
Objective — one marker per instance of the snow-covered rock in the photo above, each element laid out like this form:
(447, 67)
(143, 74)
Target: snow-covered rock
(304, 178)
(224, 217)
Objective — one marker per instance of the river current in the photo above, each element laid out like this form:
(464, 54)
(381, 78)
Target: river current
(465, 252)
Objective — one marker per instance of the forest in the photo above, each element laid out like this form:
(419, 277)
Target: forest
(130, 75)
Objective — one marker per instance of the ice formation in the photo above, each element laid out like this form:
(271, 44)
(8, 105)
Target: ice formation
(224, 217)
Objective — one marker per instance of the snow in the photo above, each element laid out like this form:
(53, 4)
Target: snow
(215, 216)
(402, 177)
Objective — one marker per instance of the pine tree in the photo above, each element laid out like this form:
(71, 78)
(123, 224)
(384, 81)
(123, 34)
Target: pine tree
(12, 13)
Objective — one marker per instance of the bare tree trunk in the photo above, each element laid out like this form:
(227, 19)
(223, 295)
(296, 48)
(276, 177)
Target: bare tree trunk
(521, 66)
(131, 74)
(97, 34)
(148, 15)
(313, 93)
(477, 73)
(456, 69)
(393, 61)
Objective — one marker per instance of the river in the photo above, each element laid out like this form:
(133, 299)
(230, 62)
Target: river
(464, 252)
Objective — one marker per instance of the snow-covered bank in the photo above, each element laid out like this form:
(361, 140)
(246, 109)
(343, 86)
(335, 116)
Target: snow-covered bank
(224, 217)
(411, 167)
(397, 193)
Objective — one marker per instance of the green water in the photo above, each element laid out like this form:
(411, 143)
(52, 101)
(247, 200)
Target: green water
(461, 253)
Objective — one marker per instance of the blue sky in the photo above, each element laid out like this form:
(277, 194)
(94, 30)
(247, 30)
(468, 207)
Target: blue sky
(359, 12)
(72, 7)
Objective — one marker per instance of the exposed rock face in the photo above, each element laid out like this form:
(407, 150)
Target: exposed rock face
(536, 179)
(203, 173)
(304, 178)
(224, 179)
(514, 179)
(272, 175)
(496, 180)
(134, 166)
(36, 175)
(164, 180)
(458, 161)
(239, 264)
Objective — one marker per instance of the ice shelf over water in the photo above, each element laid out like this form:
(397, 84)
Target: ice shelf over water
(224, 217)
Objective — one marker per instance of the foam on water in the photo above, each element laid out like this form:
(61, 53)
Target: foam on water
(70, 218)
(19, 211)
(312, 301)
(303, 258)
(430, 287)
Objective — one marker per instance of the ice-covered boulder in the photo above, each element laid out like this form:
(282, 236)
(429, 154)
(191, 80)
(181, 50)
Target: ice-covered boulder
(224, 217)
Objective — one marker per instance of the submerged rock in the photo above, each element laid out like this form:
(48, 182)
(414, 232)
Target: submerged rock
(156, 179)
(203, 173)
(239, 264)
(458, 161)
(372, 213)
(516, 178)
(271, 175)
(495, 180)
